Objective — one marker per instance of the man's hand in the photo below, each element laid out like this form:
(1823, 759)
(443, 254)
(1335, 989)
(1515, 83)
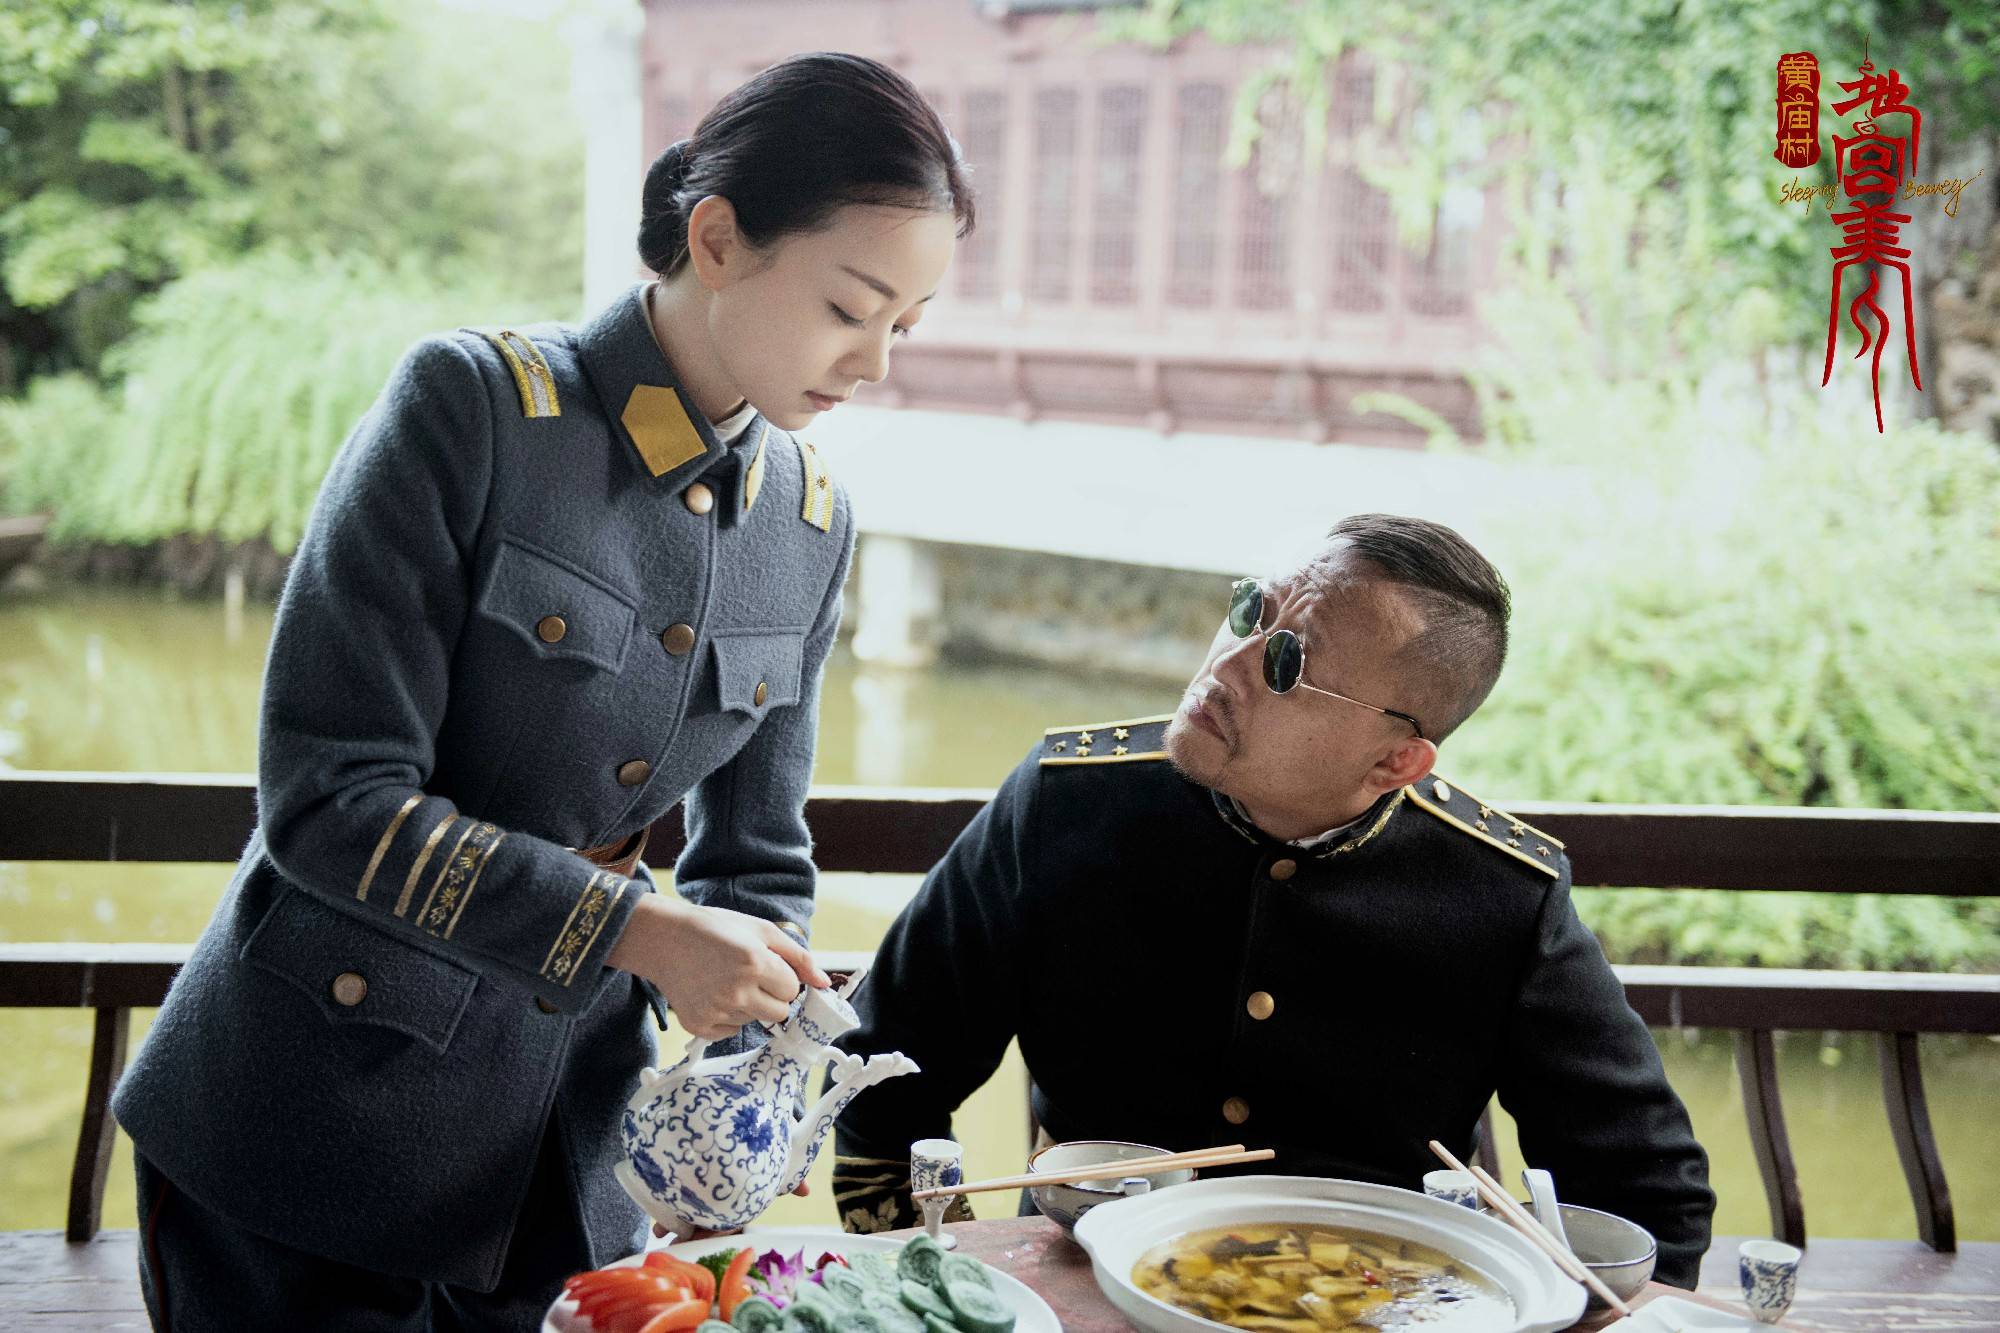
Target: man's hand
(718, 969)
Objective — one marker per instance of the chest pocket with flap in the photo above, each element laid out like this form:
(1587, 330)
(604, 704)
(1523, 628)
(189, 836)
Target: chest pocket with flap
(758, 670)
(357, 974)
(556, 608)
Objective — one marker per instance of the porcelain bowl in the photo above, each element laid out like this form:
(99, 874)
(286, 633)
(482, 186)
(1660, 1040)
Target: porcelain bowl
(1621, 1253)
(1116, 1234)
(1064, 1204)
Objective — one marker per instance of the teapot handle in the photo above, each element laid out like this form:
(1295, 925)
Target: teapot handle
(652, 1079)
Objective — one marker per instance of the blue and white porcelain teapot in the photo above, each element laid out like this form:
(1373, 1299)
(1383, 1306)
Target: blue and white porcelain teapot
(709, 1144)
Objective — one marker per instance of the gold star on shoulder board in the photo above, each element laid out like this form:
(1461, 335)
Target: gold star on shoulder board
(1083, 738)
(1060, 746)
(1083, 752)
(1119, 749)
(1121, 734)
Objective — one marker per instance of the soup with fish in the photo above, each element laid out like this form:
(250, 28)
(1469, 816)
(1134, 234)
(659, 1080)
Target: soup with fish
(1309, 1279)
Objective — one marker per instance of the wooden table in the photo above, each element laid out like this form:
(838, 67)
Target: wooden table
(1847, 1286)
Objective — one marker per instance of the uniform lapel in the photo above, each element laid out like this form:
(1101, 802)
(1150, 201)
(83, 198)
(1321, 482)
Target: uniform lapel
(666, 436)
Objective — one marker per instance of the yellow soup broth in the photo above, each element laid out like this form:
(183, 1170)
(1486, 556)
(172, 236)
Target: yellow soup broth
(1306, 1279)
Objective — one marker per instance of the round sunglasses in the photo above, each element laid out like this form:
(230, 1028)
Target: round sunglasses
(1284, 655)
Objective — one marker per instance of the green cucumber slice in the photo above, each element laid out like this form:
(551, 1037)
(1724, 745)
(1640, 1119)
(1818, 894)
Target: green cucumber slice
(920, 1261)
(933, 1324)
(756, 1315)
(977, 1309)
(964, 1268)
(844, 1285)
(925, 1301)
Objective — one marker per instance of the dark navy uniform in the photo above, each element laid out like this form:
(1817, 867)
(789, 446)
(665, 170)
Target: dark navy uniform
(538, 604)
(1178, 978)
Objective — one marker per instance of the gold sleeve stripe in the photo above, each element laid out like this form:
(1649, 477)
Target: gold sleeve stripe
(589, 887)
(1102, 759)
(532, 376)
(444, 868)
(596, 928)
(382, 847)
(423, 859)
(818, 509)
(485, 855)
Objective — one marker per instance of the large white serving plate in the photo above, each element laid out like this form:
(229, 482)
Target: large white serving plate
(1031, 1313)
(1116, 1234)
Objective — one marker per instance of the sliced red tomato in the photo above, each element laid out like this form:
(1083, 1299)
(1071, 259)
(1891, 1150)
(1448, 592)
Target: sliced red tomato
(735, 1288)
(624, 1300)
(675, 1318)
(694, 1277)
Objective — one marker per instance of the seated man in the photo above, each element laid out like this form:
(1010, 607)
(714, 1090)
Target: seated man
(1264, 920)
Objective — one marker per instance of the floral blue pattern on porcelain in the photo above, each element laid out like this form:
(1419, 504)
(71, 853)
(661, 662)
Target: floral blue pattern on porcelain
(1769, 1271)
(710, 1144)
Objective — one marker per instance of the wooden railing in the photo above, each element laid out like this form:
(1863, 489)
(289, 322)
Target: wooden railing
(90, 817)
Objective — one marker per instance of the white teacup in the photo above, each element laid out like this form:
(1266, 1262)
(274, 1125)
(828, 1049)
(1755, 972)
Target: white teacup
(1453, 1187)
(1770, 1273)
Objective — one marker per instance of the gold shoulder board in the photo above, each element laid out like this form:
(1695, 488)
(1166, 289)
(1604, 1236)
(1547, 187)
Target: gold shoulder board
(531, 373)
(818, 509)
(1492, 826)
(1107, 742)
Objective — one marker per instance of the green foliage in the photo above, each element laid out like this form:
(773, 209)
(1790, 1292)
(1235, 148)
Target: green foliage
(1633, 141)
(237, 388)
(141, 140)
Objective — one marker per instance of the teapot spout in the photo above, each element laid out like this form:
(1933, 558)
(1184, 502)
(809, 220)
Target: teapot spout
(852, 1075)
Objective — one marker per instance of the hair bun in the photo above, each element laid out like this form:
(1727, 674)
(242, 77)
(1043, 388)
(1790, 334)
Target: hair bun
(662, 229)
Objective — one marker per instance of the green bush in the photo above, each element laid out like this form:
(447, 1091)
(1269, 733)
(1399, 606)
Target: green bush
(233, 394)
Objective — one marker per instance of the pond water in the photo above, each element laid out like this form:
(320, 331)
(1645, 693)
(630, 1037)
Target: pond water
(136, 681)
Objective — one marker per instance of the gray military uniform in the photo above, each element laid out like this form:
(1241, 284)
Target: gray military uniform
(538, 604)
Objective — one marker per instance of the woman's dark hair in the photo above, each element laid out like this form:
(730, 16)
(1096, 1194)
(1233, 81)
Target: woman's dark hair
(804, 138)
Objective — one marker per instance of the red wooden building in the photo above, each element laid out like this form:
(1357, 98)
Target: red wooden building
(1121, 271)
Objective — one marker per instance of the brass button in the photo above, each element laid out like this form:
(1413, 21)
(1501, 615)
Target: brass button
(633, 772)
(698, 498)
(545, 1006)
(1236, 1110)
(1284, 870)
(350, 989)
(763, 692)
(1260, 1004)
(550, 629)
(678, 640)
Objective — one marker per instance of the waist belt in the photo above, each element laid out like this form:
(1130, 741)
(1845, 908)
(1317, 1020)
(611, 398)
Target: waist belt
(621, 857)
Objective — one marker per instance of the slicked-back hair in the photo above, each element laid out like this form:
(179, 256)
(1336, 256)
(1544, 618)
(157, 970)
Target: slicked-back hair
(1454, 660)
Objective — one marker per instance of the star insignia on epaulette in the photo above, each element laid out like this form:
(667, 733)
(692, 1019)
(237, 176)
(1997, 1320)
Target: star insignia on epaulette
(1471, 815)
(1086, 743)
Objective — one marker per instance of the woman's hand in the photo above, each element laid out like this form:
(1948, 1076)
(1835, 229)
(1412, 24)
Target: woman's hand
(718, 969)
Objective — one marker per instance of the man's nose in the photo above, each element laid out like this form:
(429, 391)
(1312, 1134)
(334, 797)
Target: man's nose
(1241, 659)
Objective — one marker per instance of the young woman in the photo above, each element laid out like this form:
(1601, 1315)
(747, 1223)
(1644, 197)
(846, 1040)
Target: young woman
(558, 581)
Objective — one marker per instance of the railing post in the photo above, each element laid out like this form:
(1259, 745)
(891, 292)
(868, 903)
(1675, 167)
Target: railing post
(1764, 1109)
(1910, 1125)
(93, 1141)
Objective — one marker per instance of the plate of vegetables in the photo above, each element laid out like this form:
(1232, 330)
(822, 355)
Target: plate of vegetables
(799, 1280)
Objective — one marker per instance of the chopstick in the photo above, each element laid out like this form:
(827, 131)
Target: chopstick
(1138, 1166)
(1524, 1222)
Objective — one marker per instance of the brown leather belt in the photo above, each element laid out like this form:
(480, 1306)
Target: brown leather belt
(621, 857)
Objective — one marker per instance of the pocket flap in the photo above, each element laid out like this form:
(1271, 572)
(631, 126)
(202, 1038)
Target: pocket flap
(750, 663)
(557, 608)
(335, 958)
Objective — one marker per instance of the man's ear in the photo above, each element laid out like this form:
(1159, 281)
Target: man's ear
(716, 249)
(1408, 762)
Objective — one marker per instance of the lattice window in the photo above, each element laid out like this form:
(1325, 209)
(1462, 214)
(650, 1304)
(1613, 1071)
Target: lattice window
(1442, 281)
(1055, 194)
(1357, 214)
(1353, 96)
(1200, 119)
(983, 139)
(1263, 250)
(1121, 144)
